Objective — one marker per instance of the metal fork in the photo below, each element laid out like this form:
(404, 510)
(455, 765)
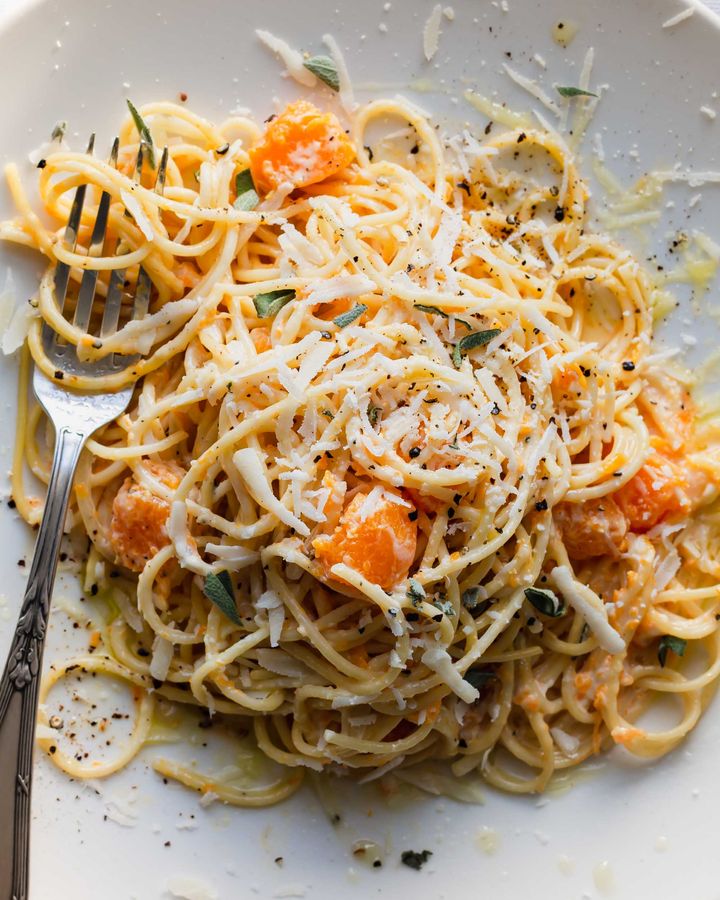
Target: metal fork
(75, 415)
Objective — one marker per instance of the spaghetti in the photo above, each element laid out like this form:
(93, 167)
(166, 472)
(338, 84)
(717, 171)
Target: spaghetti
(403, 477)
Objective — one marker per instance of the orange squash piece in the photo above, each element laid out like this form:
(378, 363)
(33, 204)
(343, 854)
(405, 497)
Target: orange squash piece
(137, 527)
(260, 337)
(656, 492)
(376, 538)
(590, 529)
(303, 146)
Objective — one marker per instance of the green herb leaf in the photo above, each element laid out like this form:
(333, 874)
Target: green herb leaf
(545, 601)
(471, 597)
(219, 590)
(373, 414)
(471, 600)
(58, 132)
(432, 309)
(247, 201)
(574, 92)
(472, 340)
(325, 69)
(479, 677)
(670, 642)
(441, 312)
(247, 197)
(144, 132)
(269, 305)
(244, 182)
(415, 592)
(445, 607)
(347, 318)
(414, 859)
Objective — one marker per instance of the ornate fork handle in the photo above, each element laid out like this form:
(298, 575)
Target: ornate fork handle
(20, 680)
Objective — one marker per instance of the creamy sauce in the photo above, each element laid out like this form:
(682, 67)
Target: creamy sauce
(603, 877)
(563, 32)
(497, 112)
(661, 843)
(488, 840)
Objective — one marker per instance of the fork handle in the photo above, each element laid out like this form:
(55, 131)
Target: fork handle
(21, 678)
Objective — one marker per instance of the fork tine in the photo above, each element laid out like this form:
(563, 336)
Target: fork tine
(113, 300)
(162, 172)
(142, 295)
(113, 303)
(138, 170)
(114, 152)
(144, 284)
(88, 284)
(139, 162)
(62, 270)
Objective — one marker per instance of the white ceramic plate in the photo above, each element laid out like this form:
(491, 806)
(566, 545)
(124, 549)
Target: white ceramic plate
(625, 830)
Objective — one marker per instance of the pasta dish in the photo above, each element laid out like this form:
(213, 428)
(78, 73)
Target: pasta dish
(404, 476)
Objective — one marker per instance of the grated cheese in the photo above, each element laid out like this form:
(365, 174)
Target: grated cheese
(7, 308)
(327, 289)
(162, 654)
(677, 19)
(44, 150)
(340, 701)
(431, 32)
(128, 610)
(590, 606)
(399, 699)
(534, 89)
(293, 59)
(177, 532)
(271, 602)
(361, 721)
(281, 663)
(15, 321)
(190, 889)
(347, 97)
(236, 554)
(251, 468)
(132, 205)
(438, 660)
(497, 112)
(568, 743)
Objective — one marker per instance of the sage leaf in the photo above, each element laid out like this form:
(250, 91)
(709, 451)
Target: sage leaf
(415, 592)
(143, 131)
(347, 318)
(247, 197)
(574, 92)
(471, 341)
(325, 69)
(219, 590)
(668, 642)
(269, 304)
(545, 601)
(479, 677)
